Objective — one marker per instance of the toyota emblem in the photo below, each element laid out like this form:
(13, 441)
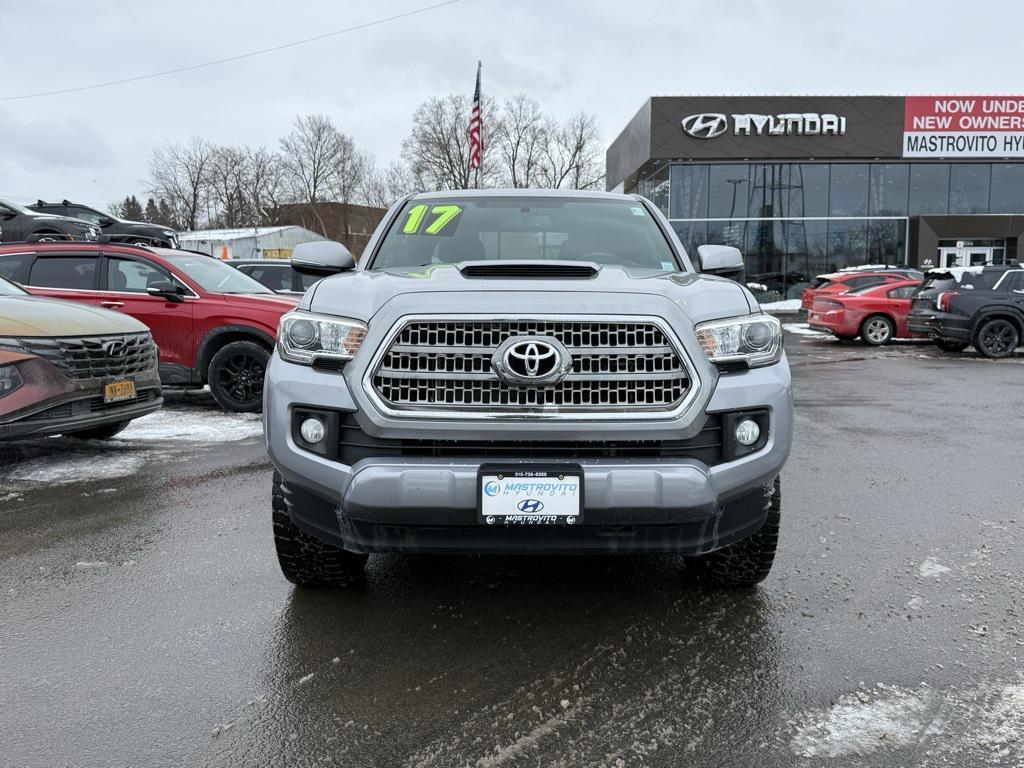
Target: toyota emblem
(531, 360)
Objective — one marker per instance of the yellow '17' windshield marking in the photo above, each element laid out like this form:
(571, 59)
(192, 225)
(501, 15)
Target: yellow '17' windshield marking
(445, 214)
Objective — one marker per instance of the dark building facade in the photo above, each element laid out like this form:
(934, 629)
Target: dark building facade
(806, 185)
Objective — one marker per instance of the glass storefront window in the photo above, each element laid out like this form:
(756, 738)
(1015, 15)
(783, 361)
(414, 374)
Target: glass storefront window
(848, 190)
(847, 244)
(689, 191)
(889, 186)
(655, 188)
(1007, 188)
(886, 242)
(929, 189)
(691, 234)
(968, 188)
(808, 195)
(729, 191)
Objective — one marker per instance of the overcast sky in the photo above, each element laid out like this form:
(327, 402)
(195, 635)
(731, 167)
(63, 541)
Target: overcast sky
(592, 55)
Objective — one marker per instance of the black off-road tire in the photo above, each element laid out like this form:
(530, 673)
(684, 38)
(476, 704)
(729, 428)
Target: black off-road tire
(305, 560)
(877, 330)
(104, 432)
(748, 562)
(235, 376)
(997, 338)
(951, 346)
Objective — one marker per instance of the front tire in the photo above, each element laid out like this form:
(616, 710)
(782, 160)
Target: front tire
(997, 338)
(236, 375)
(951, 346)
(877, 330)
(104, 432)
(305, 560)
(748, 562)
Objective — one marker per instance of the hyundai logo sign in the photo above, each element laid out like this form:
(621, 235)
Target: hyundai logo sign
(706, 126)
(530, 506)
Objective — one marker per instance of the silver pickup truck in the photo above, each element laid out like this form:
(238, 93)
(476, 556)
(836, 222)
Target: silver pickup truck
(526, 371)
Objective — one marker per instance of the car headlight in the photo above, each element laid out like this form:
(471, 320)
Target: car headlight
(10, 379)
(306, 338)
(753, 339)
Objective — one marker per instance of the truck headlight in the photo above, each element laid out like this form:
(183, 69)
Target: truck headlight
(753, 339)
(10, 379)
(307, 338)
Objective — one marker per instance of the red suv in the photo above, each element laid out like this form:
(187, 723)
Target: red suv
(212, 324)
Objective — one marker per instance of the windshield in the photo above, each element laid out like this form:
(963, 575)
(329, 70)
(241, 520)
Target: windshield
(7, 288)
(456, 229)
(216, 276)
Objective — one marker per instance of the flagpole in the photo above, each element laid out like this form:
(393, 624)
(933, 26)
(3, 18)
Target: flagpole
(479, 70)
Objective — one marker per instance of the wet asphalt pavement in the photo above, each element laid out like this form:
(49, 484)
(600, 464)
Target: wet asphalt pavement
(144, 622)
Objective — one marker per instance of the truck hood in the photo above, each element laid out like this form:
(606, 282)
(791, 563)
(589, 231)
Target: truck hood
(26, 316)
(142, 228)
(361, 294)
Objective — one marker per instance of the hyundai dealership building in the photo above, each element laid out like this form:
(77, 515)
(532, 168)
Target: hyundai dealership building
(806, 185)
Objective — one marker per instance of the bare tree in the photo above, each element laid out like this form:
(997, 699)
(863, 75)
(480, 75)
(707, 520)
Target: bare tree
(572, 154)
(265, 184)
(312, 153)
(180, 174)
(437, 150)
(518, 140)
(383, 186)
(228, 174)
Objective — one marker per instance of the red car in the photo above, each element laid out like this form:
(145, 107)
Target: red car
(840, 282)
(212, 324)
(876, 313)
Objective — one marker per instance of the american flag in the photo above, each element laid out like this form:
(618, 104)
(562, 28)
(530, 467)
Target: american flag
(476, 139)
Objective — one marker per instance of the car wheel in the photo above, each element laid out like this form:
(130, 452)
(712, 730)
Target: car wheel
(747, 562)
(304, 559)
(951, 346)
(236, 374)
(997, 338)
(104, 432)
(877, 330)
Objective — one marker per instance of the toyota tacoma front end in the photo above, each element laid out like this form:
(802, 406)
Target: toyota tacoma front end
(526, 372)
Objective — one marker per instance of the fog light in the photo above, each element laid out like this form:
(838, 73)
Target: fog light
(747, 432)
(313, 431)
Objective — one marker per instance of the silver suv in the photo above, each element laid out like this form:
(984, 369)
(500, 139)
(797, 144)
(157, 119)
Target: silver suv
(526, 371)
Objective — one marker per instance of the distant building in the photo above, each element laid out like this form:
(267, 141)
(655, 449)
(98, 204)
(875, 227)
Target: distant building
(248, 243)
(349, 224)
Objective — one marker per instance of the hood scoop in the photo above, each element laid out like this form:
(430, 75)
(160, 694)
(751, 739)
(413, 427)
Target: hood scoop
(530, 269)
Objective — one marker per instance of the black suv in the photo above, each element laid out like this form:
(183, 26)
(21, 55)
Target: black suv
(117, 230)
(20, 224)
(983, 306)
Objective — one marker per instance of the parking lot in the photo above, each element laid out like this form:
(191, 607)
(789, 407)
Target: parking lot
(143, 619)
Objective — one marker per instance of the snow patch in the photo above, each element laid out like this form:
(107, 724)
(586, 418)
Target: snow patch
(789, 305)
(197, 426)
(931, 567)
(802, 329)
(859, 724)
(66, 469)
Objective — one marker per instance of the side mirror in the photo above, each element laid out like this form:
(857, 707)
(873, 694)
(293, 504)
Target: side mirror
(723, 260)
(323, 257)
(105, 222)
(165, 289)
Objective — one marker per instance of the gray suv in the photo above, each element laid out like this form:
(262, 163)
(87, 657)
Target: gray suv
(526, 371)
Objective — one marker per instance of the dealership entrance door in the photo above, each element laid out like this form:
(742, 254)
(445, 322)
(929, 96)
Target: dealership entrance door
(965, 257)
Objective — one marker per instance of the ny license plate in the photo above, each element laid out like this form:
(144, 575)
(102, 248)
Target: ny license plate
(531, 495)
(118, 391)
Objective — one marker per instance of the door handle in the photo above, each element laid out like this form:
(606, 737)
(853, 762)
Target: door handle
(112, 304)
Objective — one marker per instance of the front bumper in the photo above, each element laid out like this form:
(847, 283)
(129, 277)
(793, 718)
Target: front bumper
(425, 504)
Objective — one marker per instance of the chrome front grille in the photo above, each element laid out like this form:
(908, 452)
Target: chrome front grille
(91, 357)
(619, 367)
